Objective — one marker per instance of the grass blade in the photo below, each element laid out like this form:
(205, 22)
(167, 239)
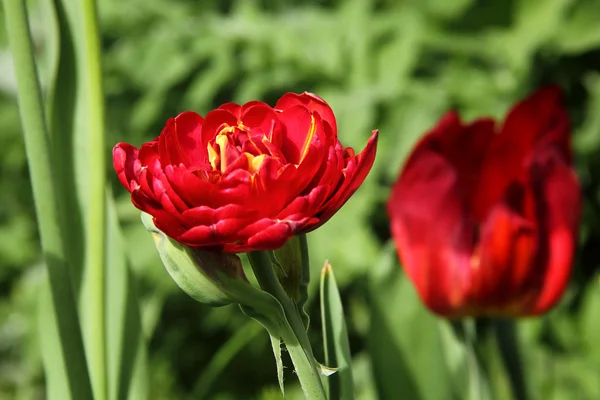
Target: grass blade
(125, 339)
(42, 178)
(335, 336)
(94, 279)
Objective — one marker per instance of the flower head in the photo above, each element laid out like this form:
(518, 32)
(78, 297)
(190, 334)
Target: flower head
(245, 177)
(485, 217)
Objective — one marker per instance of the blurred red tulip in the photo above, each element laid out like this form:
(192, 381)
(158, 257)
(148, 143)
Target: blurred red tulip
(485, 217)
(245, 177)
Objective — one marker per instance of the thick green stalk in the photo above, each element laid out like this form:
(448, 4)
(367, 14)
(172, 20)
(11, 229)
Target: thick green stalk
(295, 339)
(95, 274)
(478, 383)
(42, 179)
(510, 352)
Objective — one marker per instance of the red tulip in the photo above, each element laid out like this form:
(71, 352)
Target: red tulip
(485, 217)
(245, 177)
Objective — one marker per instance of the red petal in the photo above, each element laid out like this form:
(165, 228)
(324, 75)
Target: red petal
(223, 231)
(504, 278)
(537, 120)
(214, 122)
(162, 219)
(300, 132)
(306, 205)
(124, 157)
(433, 231)
(161, 185)
(559, 210)
(271, 237)
(192, 151)
(464, 146)
(356, 172)
(314, 104)
(261, 116)
(149, 156)
(233, 108)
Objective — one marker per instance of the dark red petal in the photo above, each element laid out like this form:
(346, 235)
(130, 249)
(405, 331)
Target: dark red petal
(533, 119)
(167, 149)
(433, 231)
(145, 181)
(193, 190)
(261, 116)
(306, 205)
(559, 209)
(233, 108)
(214, 122)
(354, 177)
(273, 236)
(536, 121)
(162, 219)
(202, 215)
(124, 157)
(188, 140)
(314, 104)
(300, 132)
(149, 156)
(331, 170)
(222, 231)
(504, 277)
(161, 186)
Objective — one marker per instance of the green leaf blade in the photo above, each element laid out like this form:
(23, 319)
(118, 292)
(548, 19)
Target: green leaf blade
(335, 337)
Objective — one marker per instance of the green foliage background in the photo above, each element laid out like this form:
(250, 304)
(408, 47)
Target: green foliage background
(392, 65)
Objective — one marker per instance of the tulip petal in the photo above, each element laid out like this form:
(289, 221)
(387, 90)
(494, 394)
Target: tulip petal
(355, 173)
(312, 102)
(273, 235)
(464, 146)
(306, 205)
(214, 122)
(539, 120)
(300, 132)
(124, 157)
(559, 212)
(261, 116)
(505, 277)
(233, 108)
(432, 230)
(188, 140)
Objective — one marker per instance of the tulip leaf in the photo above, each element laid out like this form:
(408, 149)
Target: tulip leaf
(405, 339)
(56, 377)
(335, 337)
(327, 371)
(125, 342)
(53, 235)
(276, 346)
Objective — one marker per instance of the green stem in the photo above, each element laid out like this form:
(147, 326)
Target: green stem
(475, 373)
(38, 150)
(293, 333)
(510, 353)
(96, 218)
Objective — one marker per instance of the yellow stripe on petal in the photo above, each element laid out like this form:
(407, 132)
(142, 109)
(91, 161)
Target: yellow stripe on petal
(254, 163)
(213, 156)
(309, 136)
(222, 141)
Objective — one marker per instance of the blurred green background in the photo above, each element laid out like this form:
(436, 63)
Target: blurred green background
(392, 65)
